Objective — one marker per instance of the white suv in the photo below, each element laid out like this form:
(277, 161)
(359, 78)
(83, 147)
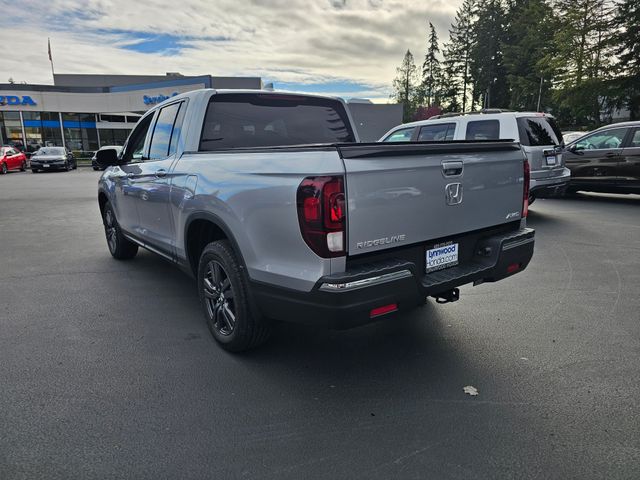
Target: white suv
(537, 133)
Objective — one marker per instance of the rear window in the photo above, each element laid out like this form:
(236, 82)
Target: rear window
(538, 131)
(483, 130)
(263, 120)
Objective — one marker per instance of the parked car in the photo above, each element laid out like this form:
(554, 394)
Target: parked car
(538, 134)
(94, 162)
(12, 159)
(53, 158)
(569, 137)
(270, 202)
(606, 160)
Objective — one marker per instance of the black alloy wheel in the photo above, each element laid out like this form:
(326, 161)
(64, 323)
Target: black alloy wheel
(119, 246)
(232, 317)
(219, 299)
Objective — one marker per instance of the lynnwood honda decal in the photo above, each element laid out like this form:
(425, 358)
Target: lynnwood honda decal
(15, 100)
(157, 99)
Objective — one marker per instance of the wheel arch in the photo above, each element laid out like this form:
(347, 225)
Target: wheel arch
(202, 228)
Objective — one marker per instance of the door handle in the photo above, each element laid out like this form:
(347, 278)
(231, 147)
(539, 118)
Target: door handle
(161, 173)
(611, 154)
(452, 169)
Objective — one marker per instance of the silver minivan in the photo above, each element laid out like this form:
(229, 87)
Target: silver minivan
(538, 134)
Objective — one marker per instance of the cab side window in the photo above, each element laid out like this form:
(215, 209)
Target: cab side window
(483, 130)
(134, 149)
(166, 132)
(401, 135)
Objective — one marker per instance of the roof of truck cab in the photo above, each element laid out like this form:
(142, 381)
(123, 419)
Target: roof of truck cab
(193, 93)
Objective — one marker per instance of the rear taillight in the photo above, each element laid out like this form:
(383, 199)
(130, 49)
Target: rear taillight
(525, 191)
(321, 213)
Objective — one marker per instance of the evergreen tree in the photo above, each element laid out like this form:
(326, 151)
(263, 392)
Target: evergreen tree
(531, 25)
(582, 60)
(451, 88)
(458, 52)
(404, 86)
(487, 69)
(627, 46)
(431, 75)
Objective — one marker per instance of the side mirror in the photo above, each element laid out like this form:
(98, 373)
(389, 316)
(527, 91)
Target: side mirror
(106, 158)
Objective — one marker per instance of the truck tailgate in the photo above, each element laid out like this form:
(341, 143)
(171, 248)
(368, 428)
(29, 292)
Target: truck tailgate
(400, 194)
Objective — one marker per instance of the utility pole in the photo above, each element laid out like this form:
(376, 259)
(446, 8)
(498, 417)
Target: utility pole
(539, 94)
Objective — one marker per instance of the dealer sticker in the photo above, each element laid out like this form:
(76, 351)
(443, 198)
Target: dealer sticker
(442, 256)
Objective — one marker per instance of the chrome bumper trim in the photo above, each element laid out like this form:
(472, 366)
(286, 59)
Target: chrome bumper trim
(365, 282)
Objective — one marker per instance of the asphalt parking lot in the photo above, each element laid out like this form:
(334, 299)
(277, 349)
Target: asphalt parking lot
(107, 369)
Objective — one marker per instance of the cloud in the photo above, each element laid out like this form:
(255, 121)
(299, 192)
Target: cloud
(328, 43)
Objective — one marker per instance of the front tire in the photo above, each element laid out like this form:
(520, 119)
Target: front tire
(3, 169)
(34, 170)
(23, 167)
(119, 247)
(226, 300)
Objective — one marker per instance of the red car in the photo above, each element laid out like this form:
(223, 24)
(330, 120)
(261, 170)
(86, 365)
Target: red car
(12, 159)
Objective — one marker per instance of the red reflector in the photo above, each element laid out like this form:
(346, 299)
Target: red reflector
(311, 209)
(514, 267)
(376, 312)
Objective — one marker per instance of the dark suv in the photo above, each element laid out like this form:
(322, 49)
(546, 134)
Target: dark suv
(606, 160)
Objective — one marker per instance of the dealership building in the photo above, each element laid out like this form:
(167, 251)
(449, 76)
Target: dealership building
(83, 112)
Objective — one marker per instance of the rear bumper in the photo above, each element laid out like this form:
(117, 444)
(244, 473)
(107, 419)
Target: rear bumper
(549, 182)
(346, 299)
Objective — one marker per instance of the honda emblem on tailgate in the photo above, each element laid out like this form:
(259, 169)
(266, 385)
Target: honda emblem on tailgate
(453, 192)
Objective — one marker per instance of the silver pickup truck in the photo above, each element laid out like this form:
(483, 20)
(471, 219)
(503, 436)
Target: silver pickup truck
(269, 201)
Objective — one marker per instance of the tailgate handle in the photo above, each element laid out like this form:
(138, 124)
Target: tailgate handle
(452, 169)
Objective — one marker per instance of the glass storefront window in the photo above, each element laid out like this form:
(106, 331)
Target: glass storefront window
(113, 136)
(42, 129)
(80, 132)
(11, 128)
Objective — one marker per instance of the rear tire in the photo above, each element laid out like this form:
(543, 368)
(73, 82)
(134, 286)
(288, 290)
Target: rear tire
(34, 170)
(119, 247)
(232, 317)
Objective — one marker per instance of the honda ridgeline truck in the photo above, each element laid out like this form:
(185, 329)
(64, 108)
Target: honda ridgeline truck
(271, 203)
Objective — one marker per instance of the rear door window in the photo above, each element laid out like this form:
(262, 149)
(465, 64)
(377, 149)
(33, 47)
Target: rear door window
(400, 135)
(635, 139)
(263, 120)
(436, 133)
(483, 130)
(538, 131)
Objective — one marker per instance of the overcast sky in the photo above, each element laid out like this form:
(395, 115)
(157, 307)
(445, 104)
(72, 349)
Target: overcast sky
(349, 48)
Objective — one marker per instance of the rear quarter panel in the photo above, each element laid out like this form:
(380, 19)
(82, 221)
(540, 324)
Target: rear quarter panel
(254, 195)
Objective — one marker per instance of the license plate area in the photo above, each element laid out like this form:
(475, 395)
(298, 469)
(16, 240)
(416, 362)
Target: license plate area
(551, 160)
(442, 255)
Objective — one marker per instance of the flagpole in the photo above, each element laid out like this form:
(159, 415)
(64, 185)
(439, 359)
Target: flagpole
(53, 75)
